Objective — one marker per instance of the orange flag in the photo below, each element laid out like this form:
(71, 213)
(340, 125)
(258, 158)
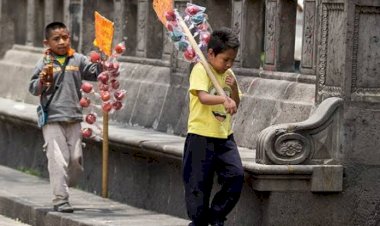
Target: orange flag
(103, 34)
(162, 6)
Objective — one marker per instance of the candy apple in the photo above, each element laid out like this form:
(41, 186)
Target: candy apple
(107, 106)
(94, 57)
(87, 132)
(86, 87)
(105, 95)
(85, 102)
(119, 94)
(117, 105)
(91, 118)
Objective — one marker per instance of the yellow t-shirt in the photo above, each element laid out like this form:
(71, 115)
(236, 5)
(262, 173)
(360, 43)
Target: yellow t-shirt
(208, 120)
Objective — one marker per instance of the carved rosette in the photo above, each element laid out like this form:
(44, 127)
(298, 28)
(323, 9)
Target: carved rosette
(290, 149)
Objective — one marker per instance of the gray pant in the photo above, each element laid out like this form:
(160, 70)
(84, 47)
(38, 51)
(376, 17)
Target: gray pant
(63, 146)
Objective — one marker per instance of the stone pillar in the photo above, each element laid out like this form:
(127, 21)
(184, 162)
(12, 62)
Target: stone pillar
(309, 37)
(7, 29)
(280, 35)
(130, 26)
(119, 21)
(31, 23)
(142, 20)
(50, 10)
(361, 89)
(237, 25)
(331, 39)
(72, 15)
(252, 33)
(149, 31)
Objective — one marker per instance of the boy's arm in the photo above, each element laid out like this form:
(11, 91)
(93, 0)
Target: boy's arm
(208, 99)
(89, 70)
(235, 95)
(232, 83)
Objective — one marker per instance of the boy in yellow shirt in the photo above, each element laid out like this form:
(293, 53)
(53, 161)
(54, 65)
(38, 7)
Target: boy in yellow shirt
(210, 146)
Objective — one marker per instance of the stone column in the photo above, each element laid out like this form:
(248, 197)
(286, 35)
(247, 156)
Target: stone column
(149, 31)
(237, 25)
(72, 17)
(130, 26)
(119, 21)
(252, 33)
(31, 23)
(49, 11)
(280, 35)
(309, 37)
(331, 39)
(142, 17)
(7, 29)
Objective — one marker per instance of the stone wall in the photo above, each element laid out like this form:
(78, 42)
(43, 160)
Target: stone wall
(339, 58)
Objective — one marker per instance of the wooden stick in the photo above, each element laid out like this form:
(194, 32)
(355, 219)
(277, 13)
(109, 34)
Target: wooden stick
(105, 156)
(194, 44)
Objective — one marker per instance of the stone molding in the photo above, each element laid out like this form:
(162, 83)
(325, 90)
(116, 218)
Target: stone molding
(327, 90)
(294, 143)
(366, 94)
(285, 153)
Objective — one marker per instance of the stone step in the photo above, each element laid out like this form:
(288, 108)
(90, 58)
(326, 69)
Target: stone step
(28, 198)
(5, 221)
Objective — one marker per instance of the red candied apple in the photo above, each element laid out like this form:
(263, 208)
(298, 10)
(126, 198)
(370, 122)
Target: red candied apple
(103, 77)
(170, 15)
(85, 102)
(105, 95)
(91, 118)
(119, 94)
(189, 54)
(115, 84)
(94, 57)
(87, 132)
(86, 87)
(117, 105)
(107, 106)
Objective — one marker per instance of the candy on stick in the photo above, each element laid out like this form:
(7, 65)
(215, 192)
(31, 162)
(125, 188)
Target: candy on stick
(179, 33)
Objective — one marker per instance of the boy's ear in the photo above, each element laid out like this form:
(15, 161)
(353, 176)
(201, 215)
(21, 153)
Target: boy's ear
(46, 43)
(210, 53)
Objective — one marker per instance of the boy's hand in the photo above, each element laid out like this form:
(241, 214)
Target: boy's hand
(43, 75)
(230, 106)
(231, 81)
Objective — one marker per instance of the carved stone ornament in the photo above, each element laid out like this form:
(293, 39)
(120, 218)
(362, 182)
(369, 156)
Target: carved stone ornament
(290, 148)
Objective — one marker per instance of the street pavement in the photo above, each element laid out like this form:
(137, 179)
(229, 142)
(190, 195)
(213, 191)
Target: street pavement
(28, 199)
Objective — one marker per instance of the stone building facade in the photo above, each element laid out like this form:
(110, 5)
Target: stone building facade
(314, 132)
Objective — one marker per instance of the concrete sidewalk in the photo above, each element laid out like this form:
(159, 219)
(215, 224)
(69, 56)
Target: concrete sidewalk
(28, 198)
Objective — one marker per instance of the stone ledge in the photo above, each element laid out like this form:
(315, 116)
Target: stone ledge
(315, 178)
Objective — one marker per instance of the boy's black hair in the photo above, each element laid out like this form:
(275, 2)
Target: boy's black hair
(222, 40)
(52, 26)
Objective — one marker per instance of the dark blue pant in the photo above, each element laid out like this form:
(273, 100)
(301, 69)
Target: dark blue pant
(204, 156)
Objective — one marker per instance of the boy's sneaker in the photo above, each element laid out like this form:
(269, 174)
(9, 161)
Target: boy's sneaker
(64, 208)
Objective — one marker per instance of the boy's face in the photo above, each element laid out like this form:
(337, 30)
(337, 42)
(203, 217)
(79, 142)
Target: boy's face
(58, 41)
(223, 61)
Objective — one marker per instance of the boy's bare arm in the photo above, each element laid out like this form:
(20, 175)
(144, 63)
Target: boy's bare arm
(231, 82)
(207, 99)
